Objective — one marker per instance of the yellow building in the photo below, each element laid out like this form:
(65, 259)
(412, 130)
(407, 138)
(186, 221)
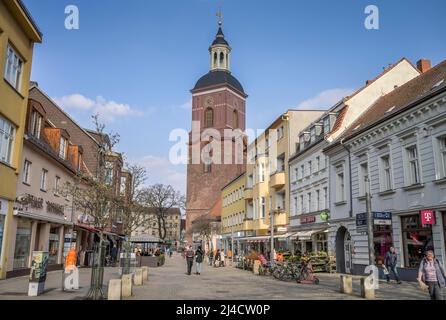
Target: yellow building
(267, 177)
(234, 221)
(18, 33)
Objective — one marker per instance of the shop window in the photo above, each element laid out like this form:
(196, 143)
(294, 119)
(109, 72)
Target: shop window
(417, 239)
(22, 244)
(2, 228)
(321, 242)
(53, 246)
(382, 241)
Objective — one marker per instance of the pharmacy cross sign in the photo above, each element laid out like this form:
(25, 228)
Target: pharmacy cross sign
(427, 217)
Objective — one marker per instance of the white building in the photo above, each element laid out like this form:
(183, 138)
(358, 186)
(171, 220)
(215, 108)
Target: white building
(399, 144)
(309, 186)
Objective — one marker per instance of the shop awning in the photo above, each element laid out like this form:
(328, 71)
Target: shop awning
(145, 238)
(87, 227)
(39, 217)
(306, 235)
(264, 238)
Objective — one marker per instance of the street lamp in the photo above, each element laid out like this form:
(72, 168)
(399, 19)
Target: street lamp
(370, 221)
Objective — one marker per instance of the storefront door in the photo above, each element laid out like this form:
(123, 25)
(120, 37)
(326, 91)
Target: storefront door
(22, 244)
(348, 252)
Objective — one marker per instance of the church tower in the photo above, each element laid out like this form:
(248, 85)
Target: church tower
(218, 102)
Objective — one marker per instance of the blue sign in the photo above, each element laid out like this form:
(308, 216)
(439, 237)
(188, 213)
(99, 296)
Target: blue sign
(361, 218)
(382, 215)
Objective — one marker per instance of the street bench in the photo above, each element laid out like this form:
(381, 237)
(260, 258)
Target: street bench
(367, 290)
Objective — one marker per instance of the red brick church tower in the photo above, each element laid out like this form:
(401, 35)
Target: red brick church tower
(218, 102)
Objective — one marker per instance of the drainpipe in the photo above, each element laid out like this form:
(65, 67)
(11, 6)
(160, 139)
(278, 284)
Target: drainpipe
(350, 176)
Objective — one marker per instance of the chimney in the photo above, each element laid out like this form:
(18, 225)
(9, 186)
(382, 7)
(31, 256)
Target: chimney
(423, 65)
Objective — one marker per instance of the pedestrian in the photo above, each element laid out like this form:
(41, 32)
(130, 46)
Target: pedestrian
(230, 255)
(390, 261)
(217, 258)
(199, 259)
(431, 276)
(114, 254)
(170, 253)
(211, 257)
(222, 258)
(190, 254)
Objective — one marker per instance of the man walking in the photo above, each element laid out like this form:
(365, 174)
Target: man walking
(390, 262)
(190, 254)
(431, 276)
(199, 260)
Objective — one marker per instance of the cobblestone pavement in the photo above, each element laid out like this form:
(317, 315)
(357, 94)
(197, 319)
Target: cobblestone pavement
(17, 288)
(228, 283)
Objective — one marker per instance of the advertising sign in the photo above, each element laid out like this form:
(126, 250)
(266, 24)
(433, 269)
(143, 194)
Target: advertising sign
(37, 275)
(427, 217)
(379, 218)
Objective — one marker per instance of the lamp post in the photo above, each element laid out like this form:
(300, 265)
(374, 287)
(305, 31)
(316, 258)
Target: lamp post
(370, 221)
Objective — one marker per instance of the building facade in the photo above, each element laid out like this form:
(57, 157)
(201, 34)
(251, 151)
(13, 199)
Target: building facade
(309, 166)
(18, 34)
(397, 150)
(218, 104)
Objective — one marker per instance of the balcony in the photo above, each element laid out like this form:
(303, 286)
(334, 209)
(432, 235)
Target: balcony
(277, 180)
(247, 225)
(248, 193)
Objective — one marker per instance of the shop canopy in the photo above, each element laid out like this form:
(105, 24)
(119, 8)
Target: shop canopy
(306, 235)
(145, 238)
(265, 238)
(40, 217)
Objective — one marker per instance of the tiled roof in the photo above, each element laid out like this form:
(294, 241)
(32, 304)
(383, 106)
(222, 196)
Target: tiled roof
(339, 120)
(395, 101)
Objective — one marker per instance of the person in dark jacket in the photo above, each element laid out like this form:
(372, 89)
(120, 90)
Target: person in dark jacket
(217, 258)
(431, 276)
(390, 261)
(199, 259)
(190, 254)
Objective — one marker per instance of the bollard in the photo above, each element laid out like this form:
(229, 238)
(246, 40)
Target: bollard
(137, 278)
(256, 267)
(126, 282)
(346, 284)
(114, 289)
(367, 290)
(145, 273)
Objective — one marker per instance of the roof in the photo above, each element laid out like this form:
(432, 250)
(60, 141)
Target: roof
(220, 38)
(397, 100)
(233, 180)
(218, 77)
(24, 18)
(170, 211)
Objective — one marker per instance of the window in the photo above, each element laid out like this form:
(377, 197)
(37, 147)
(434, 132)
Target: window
(43, 180)
(340, 186)
(263, 207)
(7, 131)
(209, 118)
(309, 202)
(295, 205)
(57, 185)
(318, 164)
(270, 203)
(327, 125)
(22, 244)
(442, 157)
(326, 198)
(36, 123)
(312, 134)
(63, 148)
(53, 246)
(363, 176)
(27, 172)
(296, 173)
(262, 172)
(281, 163)
(108, 173)
(417, 239)
(310, 167)
(413, 173)
(123, 185)
(302, 170)
(318, 199)
(235, 119)
(386, 173)
(302, 209)
(280, 133)
(13, 68)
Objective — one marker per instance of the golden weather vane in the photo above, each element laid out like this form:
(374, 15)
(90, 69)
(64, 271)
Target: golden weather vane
(219, 15)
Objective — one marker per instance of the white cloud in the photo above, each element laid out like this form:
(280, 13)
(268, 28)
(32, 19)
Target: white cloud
(160, 170)
(108, 110)
(325, 99)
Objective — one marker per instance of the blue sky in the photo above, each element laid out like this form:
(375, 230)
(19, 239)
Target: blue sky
(134, 61)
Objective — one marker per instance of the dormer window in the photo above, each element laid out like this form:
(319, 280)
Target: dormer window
(312, 134)
(36, 123)
(63, 147)
(327, 124)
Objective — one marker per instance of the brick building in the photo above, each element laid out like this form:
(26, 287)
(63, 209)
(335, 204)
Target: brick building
(218, 103)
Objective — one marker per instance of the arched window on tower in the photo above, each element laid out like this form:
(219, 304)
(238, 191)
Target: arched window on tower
(222, 58)
(209, 118)
(215, 59)
(235, 119)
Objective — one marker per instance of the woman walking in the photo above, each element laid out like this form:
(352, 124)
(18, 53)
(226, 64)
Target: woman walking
(431, 276)
(199, 260)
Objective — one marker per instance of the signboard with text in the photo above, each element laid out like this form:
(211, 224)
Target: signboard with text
(427, 217)
(305, 220)
(379, 218)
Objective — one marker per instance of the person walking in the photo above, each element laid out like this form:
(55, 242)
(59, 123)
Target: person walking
(199, 259)
(230, 256)
(431, 276)
(222, 258)
(217, 259)
(190, 254)
(390, 261)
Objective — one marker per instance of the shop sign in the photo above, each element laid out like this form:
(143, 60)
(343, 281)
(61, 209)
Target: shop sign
(37, 276)
(427, 217)
(30, 200)
(324, 216)
(55, 208)
(306, 220)
(382, 218)
(281, 229)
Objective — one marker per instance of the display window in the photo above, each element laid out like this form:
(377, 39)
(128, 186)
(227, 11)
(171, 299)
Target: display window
(417, 239)
(53, 247)
(382, 241)
(22, 244)
(321, 242)
(2, 228)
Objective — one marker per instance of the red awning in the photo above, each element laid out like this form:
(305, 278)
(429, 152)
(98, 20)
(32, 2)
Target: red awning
(87, 227)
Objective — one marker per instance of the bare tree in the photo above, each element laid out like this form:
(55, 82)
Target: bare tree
(158, 200)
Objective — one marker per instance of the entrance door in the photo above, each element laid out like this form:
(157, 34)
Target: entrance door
(348, 252)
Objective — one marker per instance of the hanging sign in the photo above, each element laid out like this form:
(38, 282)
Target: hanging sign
(324, 216)
(427, 217)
